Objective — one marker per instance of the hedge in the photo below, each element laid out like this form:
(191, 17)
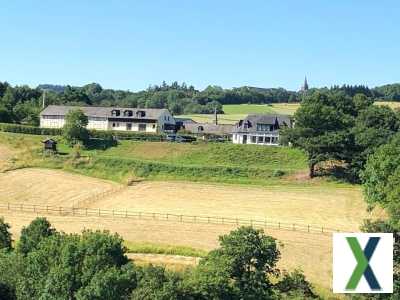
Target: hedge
(99, 134)
(17, 128)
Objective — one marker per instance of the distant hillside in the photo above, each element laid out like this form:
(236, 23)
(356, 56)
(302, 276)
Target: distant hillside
(52, 87)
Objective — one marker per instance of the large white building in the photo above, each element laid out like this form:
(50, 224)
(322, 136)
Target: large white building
(260, 129)
(112, 118)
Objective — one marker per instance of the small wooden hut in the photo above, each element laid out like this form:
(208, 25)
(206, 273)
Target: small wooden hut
(50, 145)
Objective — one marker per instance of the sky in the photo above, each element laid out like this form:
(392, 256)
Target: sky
(132, 44)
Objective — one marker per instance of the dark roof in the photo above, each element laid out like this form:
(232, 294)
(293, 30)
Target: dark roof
(96, 111)
(49, 141)
(209, 128)
(249, 124)
(185, 120)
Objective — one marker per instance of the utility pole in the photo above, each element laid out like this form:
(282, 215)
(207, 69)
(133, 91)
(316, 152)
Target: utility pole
(44, 99)
(215, 115)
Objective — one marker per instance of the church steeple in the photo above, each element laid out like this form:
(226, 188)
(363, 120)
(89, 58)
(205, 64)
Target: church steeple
(305, 85)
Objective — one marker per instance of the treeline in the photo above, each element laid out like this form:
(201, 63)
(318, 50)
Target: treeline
(47, 264)
(22, 104)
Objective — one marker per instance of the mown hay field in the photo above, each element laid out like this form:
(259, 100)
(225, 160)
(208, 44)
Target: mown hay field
(320, 204)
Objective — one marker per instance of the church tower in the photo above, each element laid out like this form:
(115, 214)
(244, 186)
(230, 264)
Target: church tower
(304, 88)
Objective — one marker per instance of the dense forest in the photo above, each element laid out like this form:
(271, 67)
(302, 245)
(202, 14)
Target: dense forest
(22, 104)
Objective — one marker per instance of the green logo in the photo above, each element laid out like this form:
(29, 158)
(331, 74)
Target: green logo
(363, 267)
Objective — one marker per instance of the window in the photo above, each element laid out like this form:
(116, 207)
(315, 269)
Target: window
(260, 139)
(128, 113)
(142, 127)
(253, 139)
(267, 139)
(114, 124)
(128, 126)
(271, 128)
(115, 112)
(154, 126)
(140, 113)
(263, 127)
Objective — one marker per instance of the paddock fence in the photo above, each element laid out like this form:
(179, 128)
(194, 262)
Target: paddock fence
(168, 217)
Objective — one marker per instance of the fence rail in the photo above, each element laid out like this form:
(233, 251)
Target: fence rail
(123, 214)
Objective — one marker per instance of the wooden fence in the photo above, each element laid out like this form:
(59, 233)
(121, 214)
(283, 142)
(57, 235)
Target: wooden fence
(123, 214)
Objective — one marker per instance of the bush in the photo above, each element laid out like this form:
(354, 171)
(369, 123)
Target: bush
(278, 173)
(17, 128)
(5, 235)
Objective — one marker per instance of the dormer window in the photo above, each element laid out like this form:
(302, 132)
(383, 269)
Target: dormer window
(115, 112)
(128, 113)
(140, 113)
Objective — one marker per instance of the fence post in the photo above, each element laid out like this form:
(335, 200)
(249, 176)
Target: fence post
(237, 222)
(99, 212)
(86, 211)
(126, 213)
(59, 210)
(294, 229)
(34, 208)
(222, 220)
(180, 218)
(167, 216)
(322, 229)
(308, 227)
(279, 225)
(8, 205)
(47, 208)
(251, 222)
(208, 220)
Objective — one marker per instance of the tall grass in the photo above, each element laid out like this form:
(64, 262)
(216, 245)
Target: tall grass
(153, 248)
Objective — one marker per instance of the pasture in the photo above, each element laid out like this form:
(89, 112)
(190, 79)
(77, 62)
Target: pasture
(235, 112)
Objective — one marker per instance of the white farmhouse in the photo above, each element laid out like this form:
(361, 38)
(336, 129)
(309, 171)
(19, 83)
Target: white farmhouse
(112, 118)
(260, 129)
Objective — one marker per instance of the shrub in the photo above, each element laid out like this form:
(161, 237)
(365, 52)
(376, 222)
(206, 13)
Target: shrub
(278, 173)
(17, 128)
(5, 235)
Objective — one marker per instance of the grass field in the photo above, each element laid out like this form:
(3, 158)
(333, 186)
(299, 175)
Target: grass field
(159, 160)
(235, 112)
(317, 202)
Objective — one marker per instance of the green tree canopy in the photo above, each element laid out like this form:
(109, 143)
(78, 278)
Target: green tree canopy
(33, 234)
(74, 130)
(381, 177)
(5, 235)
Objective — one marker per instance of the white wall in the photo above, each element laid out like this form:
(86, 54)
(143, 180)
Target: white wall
(97, 123)
(52, 121)
(122, 126)
(237, 138)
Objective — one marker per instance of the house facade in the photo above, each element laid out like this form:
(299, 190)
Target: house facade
(260, 129)
(149, 120)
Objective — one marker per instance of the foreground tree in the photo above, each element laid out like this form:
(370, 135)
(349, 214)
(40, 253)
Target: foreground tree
(374, 126)
(322, 128)
(74, 130)
(240, 268)
(32, 235)
(5, 235)
(381, 178)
